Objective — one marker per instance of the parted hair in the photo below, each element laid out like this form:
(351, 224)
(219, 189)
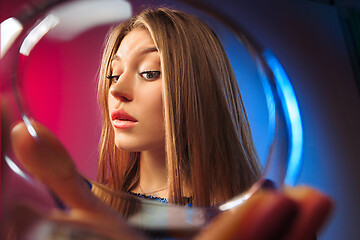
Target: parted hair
(208, 143)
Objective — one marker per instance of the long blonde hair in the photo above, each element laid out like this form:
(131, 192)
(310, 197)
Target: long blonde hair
(209, 147)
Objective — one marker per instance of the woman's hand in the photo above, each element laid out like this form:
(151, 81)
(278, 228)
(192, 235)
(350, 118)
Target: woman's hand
(295, 213)
(48, 161)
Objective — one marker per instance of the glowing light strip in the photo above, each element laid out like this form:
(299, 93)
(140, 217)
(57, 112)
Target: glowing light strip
(292, 115)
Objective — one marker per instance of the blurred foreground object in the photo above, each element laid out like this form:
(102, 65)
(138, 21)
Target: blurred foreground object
(294, 213)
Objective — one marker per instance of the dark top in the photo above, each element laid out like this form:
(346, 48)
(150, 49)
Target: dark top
(188, 200)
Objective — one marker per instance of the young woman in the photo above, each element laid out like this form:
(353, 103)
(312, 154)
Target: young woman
(174, 127)
(174, 124)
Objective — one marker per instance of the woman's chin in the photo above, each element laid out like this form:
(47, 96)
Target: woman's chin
(127, 148)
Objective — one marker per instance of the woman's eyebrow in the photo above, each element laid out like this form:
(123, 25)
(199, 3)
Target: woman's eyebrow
(147, 50)
(138, 53)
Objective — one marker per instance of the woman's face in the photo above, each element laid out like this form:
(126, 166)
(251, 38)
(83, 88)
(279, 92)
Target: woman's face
(135, 95)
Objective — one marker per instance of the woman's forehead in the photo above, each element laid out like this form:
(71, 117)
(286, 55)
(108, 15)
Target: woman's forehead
(136, 43)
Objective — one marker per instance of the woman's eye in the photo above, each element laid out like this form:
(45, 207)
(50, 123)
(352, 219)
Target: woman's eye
(150, 75)
(113, 79)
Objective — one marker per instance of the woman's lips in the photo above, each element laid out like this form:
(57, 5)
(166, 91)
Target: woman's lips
(121, 119)
(121, 124)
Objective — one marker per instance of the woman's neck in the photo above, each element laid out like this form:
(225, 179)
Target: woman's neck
(153, 174)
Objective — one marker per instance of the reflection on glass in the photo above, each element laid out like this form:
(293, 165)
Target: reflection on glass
(59, 75)
(10, 29)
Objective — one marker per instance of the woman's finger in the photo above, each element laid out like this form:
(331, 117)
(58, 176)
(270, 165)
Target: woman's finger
(266, 215)
(314, 209)
(48, 161)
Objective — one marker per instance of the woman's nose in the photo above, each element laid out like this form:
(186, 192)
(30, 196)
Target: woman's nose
(123, 88)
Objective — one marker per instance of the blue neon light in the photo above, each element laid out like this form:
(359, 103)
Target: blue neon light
(290, 106)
